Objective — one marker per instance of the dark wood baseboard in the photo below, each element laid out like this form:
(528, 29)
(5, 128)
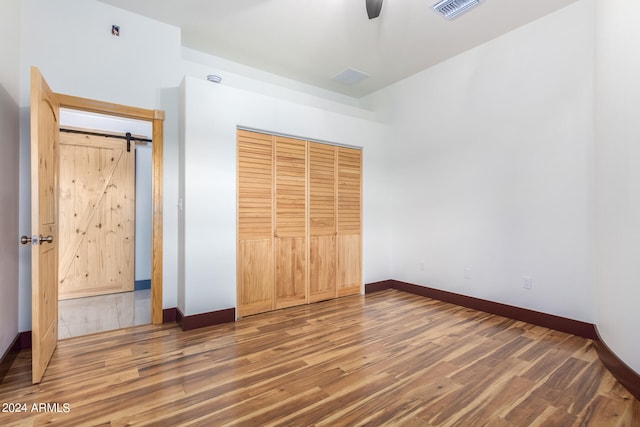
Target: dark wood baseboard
(25, 340)
(169, 315)
(383, 285)
(202, 320)
(563, 324)
(620, 370)
(9, 356)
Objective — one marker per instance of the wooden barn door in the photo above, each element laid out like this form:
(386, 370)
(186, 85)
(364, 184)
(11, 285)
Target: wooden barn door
(97, 215)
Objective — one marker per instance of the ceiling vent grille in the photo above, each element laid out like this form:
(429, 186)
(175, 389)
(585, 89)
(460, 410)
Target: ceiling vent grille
(350, 76)
(452, 8)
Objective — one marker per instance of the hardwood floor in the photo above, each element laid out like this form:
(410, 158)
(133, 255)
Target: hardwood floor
(389, 358)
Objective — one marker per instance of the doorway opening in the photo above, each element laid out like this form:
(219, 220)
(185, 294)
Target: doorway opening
(105, 208)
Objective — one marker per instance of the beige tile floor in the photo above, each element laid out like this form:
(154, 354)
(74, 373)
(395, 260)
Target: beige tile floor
(83, 316)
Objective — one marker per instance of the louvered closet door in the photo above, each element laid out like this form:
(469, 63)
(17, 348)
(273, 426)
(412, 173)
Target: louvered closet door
(255, 223)
(349, 237)
(322, 222)
(291, 230)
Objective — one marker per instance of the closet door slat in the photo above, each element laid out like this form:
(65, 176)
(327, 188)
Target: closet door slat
(290, 222)
(349, 237)
(255, 266)
(322, 222)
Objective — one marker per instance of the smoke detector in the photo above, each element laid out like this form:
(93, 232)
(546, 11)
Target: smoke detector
(452, 8)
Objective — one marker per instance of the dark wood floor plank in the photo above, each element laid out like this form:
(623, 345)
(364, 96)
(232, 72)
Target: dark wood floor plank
(388, 358)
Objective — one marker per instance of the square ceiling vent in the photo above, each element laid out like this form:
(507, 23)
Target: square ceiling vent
(350, 76)
(452, 8)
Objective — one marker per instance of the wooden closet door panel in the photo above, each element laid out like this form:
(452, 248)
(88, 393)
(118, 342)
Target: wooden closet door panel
(322, 268)
(255, 278)
(322, 221)
(349, 233)
(290, 263)
(349, 190)
(349, 264)
(322, 189)
(290, 176)
(255, 185)
(255, 266)
(290, 221)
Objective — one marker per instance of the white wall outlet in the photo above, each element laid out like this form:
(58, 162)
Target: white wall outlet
(526, 282)
(421, 265)
(467, 273)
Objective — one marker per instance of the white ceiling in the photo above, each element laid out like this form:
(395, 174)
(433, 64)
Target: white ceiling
(312, 41)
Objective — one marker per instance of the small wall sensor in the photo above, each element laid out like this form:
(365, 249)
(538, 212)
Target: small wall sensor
(214, 78)
(115, 30)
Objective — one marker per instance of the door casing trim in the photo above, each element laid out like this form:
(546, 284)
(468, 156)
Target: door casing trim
(156, 117)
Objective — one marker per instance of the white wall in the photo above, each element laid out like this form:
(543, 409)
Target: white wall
(9, 173)
(211, 114)
(71, 42)
(181, 196)
(492, 168)
(618, 177)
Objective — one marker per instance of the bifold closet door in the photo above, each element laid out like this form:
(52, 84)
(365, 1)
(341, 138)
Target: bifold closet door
(299, 222)
(290, 222)
(322, 221)
(349, 237)
(255, 266)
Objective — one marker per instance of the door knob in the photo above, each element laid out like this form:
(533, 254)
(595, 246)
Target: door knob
(48, 239)
(34, 240)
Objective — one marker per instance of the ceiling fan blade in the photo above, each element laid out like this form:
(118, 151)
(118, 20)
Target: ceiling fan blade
(373, 8)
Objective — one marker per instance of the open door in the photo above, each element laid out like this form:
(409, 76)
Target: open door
(44, 223)
(45, 153)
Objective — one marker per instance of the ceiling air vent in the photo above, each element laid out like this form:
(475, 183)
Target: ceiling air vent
(350, 76)
(452, 8)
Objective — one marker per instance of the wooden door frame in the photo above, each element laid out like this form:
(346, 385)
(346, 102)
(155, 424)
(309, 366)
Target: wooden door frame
(156, 117)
